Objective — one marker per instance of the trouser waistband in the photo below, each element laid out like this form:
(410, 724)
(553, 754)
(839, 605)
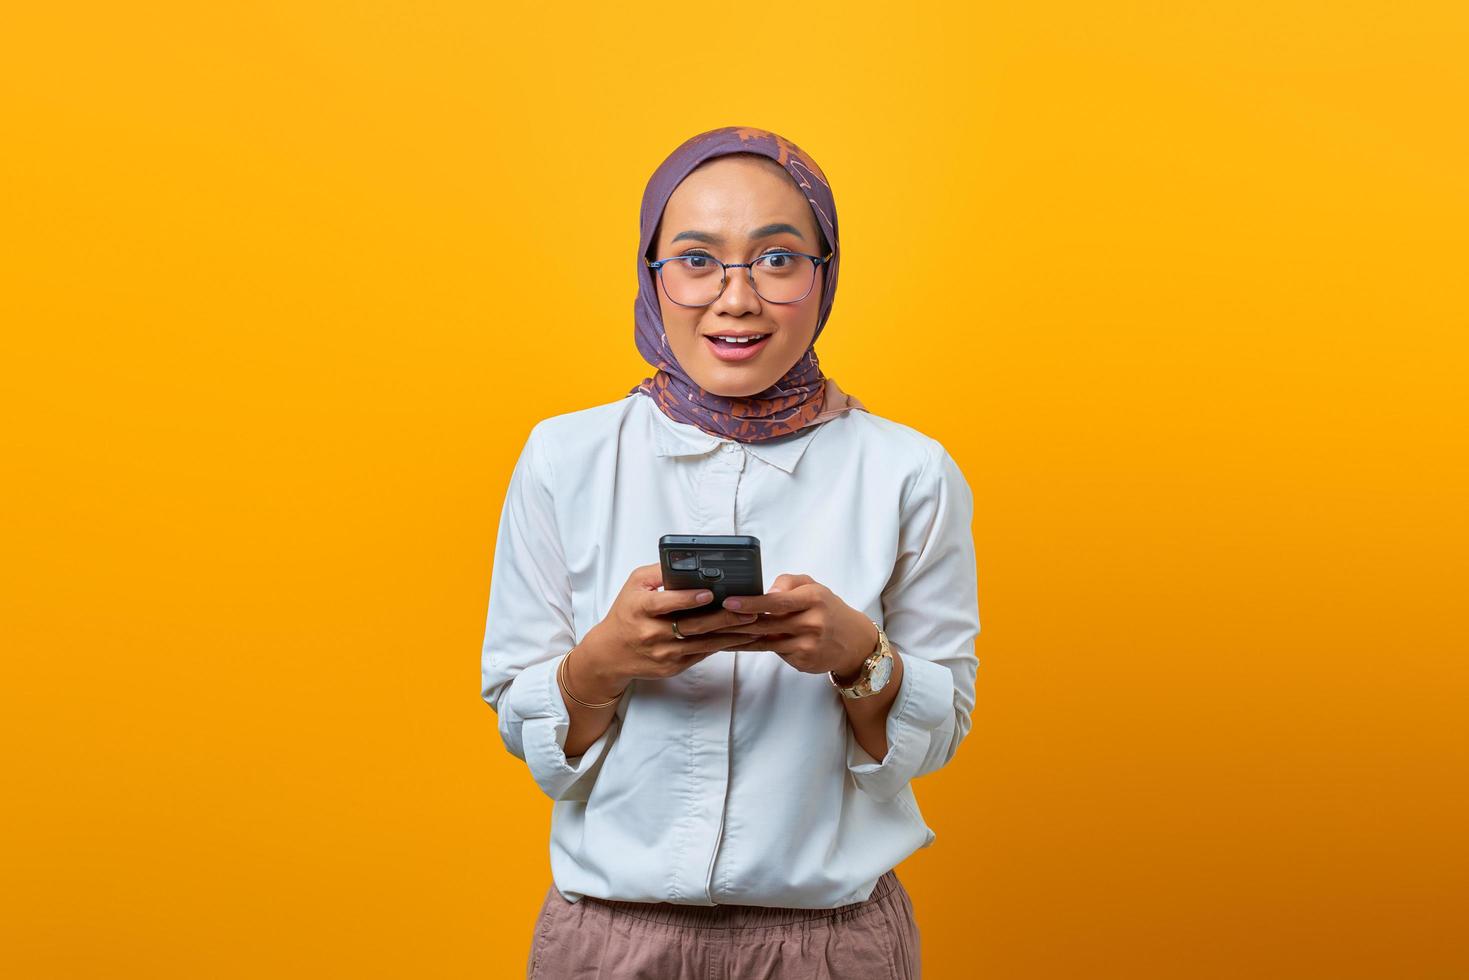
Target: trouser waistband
(741, 916)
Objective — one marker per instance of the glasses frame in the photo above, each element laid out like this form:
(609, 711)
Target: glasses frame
(816, 262)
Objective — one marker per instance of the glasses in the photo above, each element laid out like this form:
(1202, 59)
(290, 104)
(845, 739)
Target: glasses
(778, 277)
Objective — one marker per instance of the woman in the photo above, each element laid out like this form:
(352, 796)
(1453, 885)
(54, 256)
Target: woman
(732, 787)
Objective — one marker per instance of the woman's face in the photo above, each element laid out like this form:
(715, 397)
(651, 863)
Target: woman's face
(735, 208)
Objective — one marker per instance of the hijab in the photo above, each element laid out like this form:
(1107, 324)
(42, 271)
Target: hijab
(803, 396)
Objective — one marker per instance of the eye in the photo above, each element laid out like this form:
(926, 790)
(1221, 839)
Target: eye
(778, 260)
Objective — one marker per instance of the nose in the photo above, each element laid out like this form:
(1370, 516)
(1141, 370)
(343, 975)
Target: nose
(739, 293)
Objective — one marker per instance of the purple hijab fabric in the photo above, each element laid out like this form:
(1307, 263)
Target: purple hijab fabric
(801, 397)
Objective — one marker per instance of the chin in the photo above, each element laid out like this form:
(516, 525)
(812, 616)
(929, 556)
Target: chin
(739, 386)
(739, 380)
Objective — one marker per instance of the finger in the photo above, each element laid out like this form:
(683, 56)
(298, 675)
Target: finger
(761, 641)
(772, 622)
(756, 628)
(646, 576)
(722, 619)
(780, 603)
(762, 626)
(748, 643)
(709, 643)
(781, 643)
(670, 600)
(787, 581)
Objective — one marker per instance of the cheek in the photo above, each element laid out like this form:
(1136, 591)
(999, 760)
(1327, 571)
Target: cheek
(681, 326)
(678, 321)
(798, 322)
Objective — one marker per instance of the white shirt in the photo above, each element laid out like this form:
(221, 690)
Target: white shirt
(738, 781)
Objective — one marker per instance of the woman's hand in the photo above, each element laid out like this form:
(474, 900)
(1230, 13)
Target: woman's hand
(809, 626)
(636, 639)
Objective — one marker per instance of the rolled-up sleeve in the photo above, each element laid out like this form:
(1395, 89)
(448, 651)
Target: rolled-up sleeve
(931, 616)
(529, 629)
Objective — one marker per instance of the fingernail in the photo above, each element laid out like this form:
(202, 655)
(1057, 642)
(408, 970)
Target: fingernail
(731, 603)
(704, 596)
(775, 589)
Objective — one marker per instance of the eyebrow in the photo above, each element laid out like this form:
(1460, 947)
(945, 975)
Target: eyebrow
(762, 232)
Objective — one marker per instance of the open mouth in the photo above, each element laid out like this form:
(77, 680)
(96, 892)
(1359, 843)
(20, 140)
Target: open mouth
(736, 349)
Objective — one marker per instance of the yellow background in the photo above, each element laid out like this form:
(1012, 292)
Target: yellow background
(283, 287)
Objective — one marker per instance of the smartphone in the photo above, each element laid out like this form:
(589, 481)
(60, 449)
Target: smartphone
(725, 564)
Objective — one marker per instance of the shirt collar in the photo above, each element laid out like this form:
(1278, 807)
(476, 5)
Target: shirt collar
(674, 438)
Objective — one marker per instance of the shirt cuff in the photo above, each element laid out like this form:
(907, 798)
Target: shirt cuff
(925, 702)
(546, 722)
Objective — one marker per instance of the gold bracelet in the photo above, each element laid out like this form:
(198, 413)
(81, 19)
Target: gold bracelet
(567, 687)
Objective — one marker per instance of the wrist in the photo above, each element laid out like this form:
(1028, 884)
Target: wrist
(591, 675)
(847, 674)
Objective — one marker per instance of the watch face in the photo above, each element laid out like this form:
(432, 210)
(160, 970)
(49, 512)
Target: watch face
(881, 672)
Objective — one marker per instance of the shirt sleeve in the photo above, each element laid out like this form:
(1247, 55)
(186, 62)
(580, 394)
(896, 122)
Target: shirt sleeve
(528, 631)
(931, 616)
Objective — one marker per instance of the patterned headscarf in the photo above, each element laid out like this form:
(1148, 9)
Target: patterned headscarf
(801, 397)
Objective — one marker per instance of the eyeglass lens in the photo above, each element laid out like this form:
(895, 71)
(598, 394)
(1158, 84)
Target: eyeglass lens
(694, 280)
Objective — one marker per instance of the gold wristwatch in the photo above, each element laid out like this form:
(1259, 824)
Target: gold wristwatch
(877, 670)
